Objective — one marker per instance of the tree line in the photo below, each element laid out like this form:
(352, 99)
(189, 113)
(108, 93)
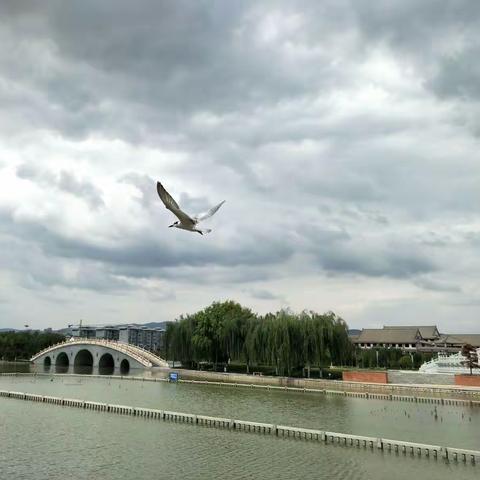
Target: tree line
(390, 358)
(226, 332)
(23, 345)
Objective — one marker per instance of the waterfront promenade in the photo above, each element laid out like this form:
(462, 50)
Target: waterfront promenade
(367, 389)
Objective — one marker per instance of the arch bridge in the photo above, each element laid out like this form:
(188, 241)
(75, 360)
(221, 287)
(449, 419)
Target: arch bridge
(92, 352)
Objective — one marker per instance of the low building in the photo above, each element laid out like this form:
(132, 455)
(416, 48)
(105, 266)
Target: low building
(407, 338)
(455, 341)
(428, 333)
(413, 338)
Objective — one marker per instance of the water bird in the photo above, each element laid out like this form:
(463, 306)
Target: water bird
(185, 221)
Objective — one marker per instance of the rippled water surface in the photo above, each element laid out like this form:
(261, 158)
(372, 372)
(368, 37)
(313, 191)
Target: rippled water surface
(46, 441)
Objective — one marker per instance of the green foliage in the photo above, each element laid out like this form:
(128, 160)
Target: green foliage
(470, 353)
(390, 358)
(23, 345)
(227, 332)
(331, 373)
(405, 362)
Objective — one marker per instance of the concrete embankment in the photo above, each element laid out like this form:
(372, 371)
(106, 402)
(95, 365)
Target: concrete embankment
(359, 441)
(369, 390)
(411, 377)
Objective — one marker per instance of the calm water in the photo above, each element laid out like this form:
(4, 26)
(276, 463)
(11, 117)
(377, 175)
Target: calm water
(95, 445)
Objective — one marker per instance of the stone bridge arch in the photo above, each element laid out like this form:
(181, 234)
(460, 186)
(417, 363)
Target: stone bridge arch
(97, 353)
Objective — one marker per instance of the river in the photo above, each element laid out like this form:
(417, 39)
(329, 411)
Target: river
(46, 441)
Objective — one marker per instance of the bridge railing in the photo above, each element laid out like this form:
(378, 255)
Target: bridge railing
(142, 351)
(147, 353)
(41, 352)
(119, 346)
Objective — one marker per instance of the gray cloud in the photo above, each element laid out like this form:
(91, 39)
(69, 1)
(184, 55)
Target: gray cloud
(435, 285)
(145, 253)
(389, 262)
(81, 188)
(63, 181)
(144, 184)
(263, 294)
(88, 277)
(343, 136)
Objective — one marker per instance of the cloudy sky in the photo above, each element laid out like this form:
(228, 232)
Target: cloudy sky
(343, 135)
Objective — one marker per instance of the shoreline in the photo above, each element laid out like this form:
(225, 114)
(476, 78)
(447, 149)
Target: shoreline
(438, 394)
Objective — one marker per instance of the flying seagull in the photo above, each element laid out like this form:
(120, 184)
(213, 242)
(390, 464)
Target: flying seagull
(185, 222)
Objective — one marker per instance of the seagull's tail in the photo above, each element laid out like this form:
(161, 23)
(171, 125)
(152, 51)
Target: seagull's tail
(204, 231)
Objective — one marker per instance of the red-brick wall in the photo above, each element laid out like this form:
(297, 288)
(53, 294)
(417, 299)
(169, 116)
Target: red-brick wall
(468, 380)
(367, 377)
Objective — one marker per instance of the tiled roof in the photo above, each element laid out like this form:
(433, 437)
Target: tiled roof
(389, 335)
(460, 339)
(426, 331)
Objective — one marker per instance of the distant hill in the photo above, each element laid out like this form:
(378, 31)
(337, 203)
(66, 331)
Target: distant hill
(8, 330)
(156, 324)
(63, 331)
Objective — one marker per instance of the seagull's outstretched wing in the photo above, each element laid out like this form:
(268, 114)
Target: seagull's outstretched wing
(211, 212)
(172, 205)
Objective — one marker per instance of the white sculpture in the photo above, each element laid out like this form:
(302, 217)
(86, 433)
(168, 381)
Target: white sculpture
(445, 363)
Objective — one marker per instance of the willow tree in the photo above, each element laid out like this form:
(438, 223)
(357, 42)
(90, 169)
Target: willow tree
(179, 340)
(253, 343)
(235, 324)
(286, 341)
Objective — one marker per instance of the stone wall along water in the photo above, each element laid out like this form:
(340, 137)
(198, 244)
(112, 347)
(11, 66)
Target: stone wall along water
(412, 378)
(366, 377)
(468, 380)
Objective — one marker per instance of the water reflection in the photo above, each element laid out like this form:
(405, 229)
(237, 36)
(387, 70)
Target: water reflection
(106, 370)
(83, 369)
(67, 368)
(15, 367)
(124, 367)
(175, 450)
(89, 370)
(62, 360)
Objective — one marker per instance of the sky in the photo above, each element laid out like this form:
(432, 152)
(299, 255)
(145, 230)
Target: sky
(343, 135)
